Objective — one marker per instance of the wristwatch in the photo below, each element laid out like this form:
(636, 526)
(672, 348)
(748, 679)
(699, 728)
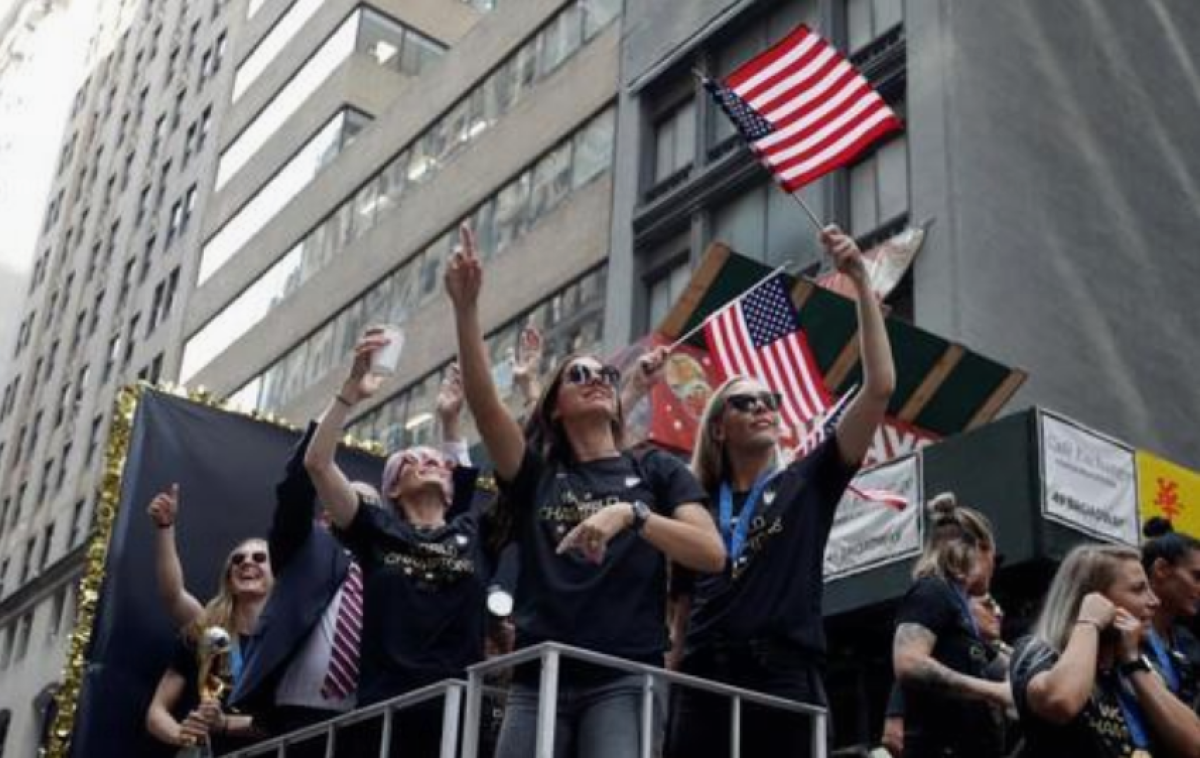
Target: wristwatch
(1129, 668)
(641, 514)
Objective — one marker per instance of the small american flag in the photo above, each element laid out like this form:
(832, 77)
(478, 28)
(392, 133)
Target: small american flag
(759, 335)
(822, 430)
(803, 108)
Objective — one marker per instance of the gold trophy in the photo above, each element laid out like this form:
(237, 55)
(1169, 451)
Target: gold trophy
(211, 655)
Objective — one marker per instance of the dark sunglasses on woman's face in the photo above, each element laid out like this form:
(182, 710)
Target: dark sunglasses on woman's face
(258, 556)
(748, 403)
(582, 373)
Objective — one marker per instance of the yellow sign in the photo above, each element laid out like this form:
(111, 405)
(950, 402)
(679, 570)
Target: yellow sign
(1168, 490)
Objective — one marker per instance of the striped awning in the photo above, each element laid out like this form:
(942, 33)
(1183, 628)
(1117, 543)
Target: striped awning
(941, 386)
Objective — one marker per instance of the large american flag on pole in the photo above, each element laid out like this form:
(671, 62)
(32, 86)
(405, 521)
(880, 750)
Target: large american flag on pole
(759, 335)
(803, 108)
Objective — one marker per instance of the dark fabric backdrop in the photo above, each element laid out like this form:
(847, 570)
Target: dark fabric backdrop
(227, 466)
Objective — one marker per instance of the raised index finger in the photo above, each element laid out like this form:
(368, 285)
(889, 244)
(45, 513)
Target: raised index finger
(466, 238)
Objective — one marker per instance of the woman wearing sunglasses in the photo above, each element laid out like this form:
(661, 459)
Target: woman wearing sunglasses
(595, 526)
(423, 560)
(245, 584)
(758, 623)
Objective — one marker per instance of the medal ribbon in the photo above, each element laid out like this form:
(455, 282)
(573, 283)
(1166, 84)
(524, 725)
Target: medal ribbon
(735, 534)
(1132, 712)
(1165, 664)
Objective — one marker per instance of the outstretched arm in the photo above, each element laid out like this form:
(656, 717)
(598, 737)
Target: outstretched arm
(333, 488)
(865, 412)
(502, 436)
(181, 605)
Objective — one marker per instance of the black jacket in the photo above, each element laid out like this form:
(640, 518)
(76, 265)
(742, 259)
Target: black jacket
(309, 566)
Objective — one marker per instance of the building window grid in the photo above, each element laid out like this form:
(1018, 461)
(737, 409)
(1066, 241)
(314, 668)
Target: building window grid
(499, 221)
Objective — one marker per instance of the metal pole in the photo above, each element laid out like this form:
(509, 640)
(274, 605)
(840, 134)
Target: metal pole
(385, 742)
(450, 713)
(735, 728)
(647, 715)
(474, 711)
(331, 741)
(818, 735)
(547, 704)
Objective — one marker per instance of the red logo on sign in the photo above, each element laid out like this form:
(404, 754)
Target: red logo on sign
(1168, 497)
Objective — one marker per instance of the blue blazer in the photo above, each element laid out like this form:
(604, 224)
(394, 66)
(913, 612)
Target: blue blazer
(309, 565)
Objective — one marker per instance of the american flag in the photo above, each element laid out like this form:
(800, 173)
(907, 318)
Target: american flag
(825, 425)
(803, 108)
(759, 335)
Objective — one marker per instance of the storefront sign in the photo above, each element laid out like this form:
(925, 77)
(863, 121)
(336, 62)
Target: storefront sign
(1089, 482)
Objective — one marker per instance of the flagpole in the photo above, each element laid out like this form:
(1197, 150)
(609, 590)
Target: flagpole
(816, 222)
(702, 324)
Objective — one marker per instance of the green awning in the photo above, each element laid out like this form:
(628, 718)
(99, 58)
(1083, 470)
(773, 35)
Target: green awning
(941, 386)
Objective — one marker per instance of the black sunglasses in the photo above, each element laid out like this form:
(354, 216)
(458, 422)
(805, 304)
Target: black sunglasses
(582, 373)
(748, 403)
(258, 556)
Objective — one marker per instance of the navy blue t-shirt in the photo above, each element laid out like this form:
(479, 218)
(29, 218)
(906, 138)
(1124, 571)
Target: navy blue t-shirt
(617, 607)
(424, 594)
(775, 588)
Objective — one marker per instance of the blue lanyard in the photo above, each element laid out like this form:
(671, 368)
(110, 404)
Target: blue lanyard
(235, 662)
(1132, 712)
(1166, 666)
(735, 535)
(964, 605)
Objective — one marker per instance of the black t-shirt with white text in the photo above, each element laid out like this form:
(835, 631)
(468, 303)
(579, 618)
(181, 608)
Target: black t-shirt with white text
(1098, 730)
(424, 595)
(775, 589)
(617, 607)
(938, 723)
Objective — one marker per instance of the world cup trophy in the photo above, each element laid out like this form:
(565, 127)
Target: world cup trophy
(211, 656)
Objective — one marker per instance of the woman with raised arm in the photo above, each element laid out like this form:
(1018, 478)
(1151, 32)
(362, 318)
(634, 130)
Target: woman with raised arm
(422, 556)
(595, 527)
(1172, 562)
(246, 581)
(1081, 683)
(758, 622)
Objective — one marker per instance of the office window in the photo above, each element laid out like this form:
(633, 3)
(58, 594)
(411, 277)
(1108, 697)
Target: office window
(55, 622)
(878, 186)
(78, 523)
(665, 290)
(24, 627)
(94, 437)
(47, 546)
(674, 141)
(27, 559)
(868, 19)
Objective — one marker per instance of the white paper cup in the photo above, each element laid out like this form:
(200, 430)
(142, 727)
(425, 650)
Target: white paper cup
(385, 360)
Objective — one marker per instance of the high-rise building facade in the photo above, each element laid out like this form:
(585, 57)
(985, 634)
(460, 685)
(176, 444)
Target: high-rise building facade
(104, 309)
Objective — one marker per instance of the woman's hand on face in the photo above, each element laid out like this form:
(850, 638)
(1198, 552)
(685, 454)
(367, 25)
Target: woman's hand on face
(362, 383)
(1131, 631)
(464, 274)
(591, 536)
(164, 507)
(1097, 609)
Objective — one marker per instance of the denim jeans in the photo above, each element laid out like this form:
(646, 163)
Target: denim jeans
(595, 720)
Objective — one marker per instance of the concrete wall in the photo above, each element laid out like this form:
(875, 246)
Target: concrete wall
(1055, 144)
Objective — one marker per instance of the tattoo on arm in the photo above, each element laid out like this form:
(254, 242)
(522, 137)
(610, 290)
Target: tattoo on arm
(915, 643)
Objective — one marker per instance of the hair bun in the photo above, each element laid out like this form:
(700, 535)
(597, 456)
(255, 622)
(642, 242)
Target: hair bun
(1157, 526)
(942, 505)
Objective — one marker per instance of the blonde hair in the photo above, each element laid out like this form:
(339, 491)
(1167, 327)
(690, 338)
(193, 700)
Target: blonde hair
(957, 535)
(219, 611)
(1087, 568)
(709, 462)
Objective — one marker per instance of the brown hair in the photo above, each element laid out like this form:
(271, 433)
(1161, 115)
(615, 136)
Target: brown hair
(957, 535)
(219, 611)
(545, 434)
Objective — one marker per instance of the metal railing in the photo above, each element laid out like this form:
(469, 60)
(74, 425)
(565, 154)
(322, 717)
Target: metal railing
(550, 655)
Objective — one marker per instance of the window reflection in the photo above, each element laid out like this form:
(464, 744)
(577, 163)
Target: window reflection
(510, 214)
